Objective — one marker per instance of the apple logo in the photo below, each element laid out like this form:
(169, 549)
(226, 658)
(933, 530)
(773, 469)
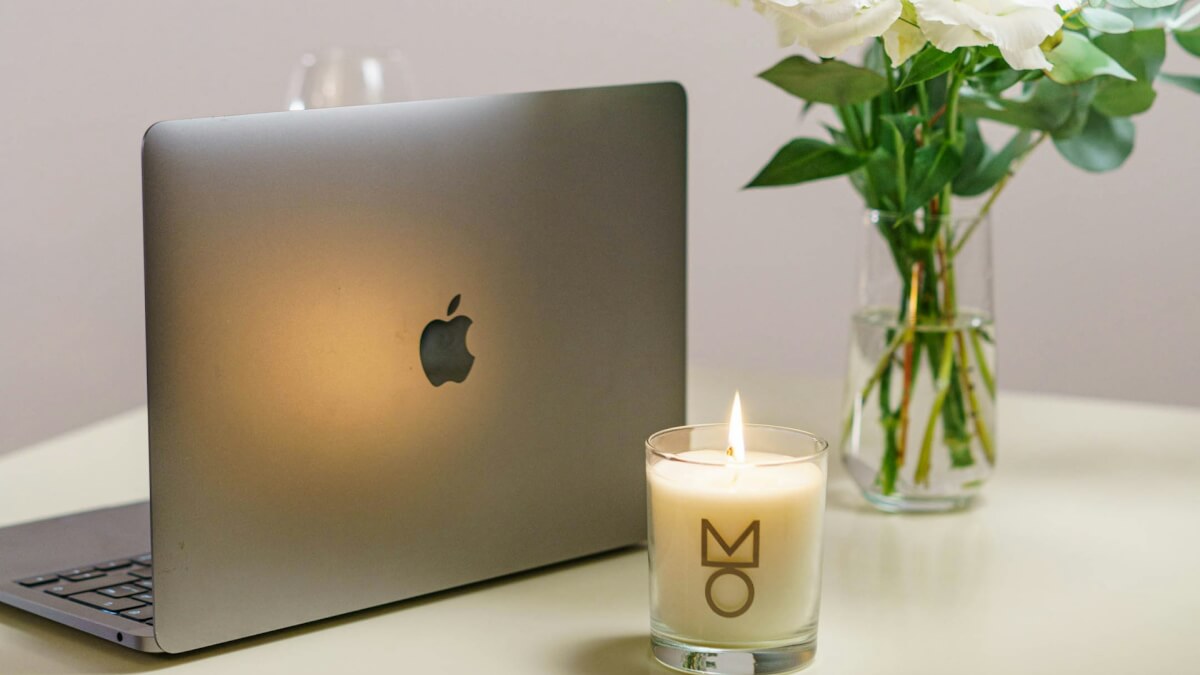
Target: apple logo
(444, 354)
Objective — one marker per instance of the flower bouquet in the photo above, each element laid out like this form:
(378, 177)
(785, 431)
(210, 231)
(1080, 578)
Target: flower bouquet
(935, 77)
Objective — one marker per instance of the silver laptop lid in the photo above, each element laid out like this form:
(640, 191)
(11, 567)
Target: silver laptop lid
(303, 462)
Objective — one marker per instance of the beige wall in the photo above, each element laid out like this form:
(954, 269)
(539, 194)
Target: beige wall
(1097, 285)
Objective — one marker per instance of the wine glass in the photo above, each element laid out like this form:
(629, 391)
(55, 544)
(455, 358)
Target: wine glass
(339, 76)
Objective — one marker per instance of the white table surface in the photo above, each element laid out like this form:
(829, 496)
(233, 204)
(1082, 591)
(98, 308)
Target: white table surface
(1084, 557)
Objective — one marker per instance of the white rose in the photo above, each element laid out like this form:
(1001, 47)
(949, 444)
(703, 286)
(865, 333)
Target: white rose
(830, 27)
(1017, 27)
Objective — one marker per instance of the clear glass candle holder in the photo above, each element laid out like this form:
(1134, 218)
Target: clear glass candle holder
(735, 548)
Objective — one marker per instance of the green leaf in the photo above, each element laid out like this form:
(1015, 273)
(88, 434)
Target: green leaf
(1076, 59)
(1141, 53)
(933, 167)
(995, 77)
(884, 180)
(874, 58)
(927, 65)
(1189, 82)
(1048, 106)
(832, 82)
(1122, 4)
(1103, 145)
(1154, 4)
(838, 136)
(881, 185)
(903, 135)
(993, 167)
(806, 159)
(1106, 21)
(1189, 40)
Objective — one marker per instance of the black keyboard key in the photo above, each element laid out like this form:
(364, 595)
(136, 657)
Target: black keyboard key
(65, 588)
(149, 622)
(38, 580)
(148, 583)
(147, 598)
(143, 559)
(104, 602)
(142, 572)
(94, 574)
(112, 565)
(139, 614)
(121, 591)
(75, 570)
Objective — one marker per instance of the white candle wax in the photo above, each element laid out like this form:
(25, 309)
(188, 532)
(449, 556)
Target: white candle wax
(709, 587)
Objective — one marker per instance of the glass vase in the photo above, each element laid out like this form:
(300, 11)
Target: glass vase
(919, 430)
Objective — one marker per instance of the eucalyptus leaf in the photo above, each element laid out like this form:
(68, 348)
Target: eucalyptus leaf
(934, 166)
(832, 82)
(1076, 59)
(1122, 4)
(1141, 53)
(1149, 18)
(1047, 106)
(1154, 4)
(804, 160)
(1121, 98)
(927, 65)
(1189, 40)
(1189, 82)
(1103, 145)
(994, 167)
(1106, 21)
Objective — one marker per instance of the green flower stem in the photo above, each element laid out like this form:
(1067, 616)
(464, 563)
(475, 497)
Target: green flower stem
(923, 106)
(985, 370)
(853, 129)
(1182, 19)
(886, 478)
(987, 205)
(981, 429)
(914, 285)
(925, 460)
(883, 366)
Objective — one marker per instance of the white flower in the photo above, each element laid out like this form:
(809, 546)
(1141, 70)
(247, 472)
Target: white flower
(904, 38)
(829, 27)
(1017, 27)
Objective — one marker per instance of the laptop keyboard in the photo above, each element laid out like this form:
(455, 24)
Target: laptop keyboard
(124, 587)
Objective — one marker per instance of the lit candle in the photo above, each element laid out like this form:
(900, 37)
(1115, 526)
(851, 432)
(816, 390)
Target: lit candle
(735, 538)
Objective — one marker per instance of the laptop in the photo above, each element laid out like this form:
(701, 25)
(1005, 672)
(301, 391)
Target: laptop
(391, 350)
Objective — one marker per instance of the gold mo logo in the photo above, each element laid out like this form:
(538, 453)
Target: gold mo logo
(729, 565)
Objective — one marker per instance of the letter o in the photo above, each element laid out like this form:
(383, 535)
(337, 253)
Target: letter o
(749, 592)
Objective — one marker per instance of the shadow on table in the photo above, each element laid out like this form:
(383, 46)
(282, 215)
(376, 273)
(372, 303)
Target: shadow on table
(627, 655)
(67, 650)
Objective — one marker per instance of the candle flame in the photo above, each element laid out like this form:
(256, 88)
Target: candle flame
(737, 441)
